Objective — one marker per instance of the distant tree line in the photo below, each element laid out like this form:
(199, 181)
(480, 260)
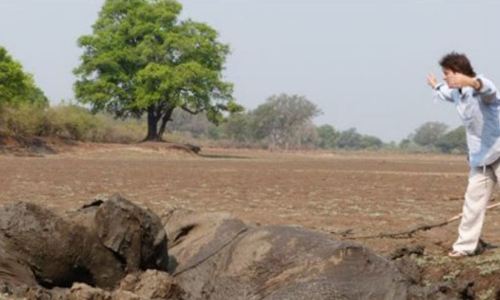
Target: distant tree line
(282, 122)
(436, 137)
(286, 122)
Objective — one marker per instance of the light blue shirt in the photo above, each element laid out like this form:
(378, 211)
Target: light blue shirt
(480, 114)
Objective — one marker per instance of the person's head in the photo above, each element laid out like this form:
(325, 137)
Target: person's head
(456, 63)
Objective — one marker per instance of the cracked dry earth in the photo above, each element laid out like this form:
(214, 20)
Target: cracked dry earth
(345, 194)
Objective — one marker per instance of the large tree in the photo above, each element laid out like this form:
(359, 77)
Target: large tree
(429, 133)
(453, 141)
(282, 119)
(238, 127)
(141, 58)
(17, 86)
(327, 136)
(350, 139)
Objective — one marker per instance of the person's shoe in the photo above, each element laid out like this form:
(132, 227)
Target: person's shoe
(457, 254)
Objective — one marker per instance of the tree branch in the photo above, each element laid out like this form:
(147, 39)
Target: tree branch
(193, 112)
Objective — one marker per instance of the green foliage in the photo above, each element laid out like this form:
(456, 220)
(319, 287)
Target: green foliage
(371, 142)
(429, 133)
(327, 137)
(453, 141)
(405, 143)
(112, 130)
(141, 58)
(22, 119)
(197, 125)
(349, 139)
(238, 127)
(67, 122)
(282, 118)
(215, 133)
(434, 137)
(283, 122)
(71, 122)
(16, 86)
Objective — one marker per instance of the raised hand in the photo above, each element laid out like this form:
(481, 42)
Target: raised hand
(431, 80)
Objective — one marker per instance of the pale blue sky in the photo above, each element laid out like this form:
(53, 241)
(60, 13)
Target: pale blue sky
(362, 62)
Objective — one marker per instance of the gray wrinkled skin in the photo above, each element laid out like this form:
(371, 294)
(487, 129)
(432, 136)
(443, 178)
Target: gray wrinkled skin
(219, 257)
(97, 245)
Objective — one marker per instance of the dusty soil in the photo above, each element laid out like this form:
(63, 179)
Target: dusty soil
(354, 194)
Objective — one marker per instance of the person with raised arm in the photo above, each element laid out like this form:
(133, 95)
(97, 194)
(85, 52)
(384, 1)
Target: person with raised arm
(478, 104)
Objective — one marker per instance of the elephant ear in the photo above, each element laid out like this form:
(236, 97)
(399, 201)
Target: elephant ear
(119, 230)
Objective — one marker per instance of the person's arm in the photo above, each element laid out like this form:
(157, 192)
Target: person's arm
(485, 88)
(441, 90)
(487, 91)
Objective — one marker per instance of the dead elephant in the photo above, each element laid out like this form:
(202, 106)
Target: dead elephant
(98, 244)
(219, 257)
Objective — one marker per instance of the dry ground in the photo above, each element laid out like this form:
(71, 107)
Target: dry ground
(361, 193)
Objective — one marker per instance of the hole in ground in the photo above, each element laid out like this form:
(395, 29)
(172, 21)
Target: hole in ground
(78, 274)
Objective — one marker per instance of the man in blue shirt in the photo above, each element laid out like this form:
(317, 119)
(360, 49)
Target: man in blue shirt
(478, 104)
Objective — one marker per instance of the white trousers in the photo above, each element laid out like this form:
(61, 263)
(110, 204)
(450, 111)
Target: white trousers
(477, 196)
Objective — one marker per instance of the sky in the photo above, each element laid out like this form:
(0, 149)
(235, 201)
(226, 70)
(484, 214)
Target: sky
(362, 62)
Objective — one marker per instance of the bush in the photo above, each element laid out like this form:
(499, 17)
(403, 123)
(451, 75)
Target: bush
(118, 131)
(69, 122)
(23, 119)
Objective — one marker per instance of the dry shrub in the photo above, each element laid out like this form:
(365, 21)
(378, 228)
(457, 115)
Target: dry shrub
(119, 131)
(24, 119)
(68, 121)
(71, 122)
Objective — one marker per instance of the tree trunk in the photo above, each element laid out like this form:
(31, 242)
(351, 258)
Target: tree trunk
(153, 119)
(164, 121)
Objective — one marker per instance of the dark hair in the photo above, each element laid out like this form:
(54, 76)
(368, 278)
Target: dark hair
(458, 63)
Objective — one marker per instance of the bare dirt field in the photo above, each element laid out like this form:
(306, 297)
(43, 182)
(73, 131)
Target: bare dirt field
(346, 194)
